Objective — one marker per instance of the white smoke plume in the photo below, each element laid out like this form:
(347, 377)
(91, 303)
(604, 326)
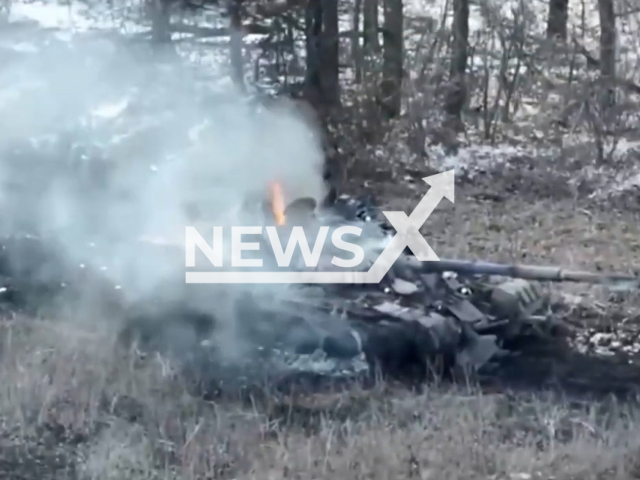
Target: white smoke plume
(108, 144)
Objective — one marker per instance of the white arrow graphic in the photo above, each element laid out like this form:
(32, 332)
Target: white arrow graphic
(408, 235)
(408, 228)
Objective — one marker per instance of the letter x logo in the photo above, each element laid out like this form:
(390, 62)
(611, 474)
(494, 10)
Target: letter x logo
(408, 227)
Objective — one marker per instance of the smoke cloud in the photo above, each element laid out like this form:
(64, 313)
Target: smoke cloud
(103, 143)
(106, 144)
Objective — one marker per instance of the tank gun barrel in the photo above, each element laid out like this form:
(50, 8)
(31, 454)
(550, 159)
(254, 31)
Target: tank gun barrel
(533, 272)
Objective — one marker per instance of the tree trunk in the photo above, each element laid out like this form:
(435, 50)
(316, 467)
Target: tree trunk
(236, 43)
(393, 55)
(607, 51)
(160, 21)
(322, 86)
(313, 27)
(356, 48)
(557, 19)
(330, 52)
(457, 92)
(371, 27)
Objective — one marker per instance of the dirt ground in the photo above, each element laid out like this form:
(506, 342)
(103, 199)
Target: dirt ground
(73, 406)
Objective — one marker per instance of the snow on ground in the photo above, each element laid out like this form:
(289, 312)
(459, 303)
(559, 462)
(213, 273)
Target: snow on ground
(584, 26)
(69, 21)
(50, 15)
(583, 19)
(74, 17)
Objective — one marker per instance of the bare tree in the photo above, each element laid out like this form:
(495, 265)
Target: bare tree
(313, 33)
(393, 56)
(322, 85)
(330, 73)
(457, 92)
(607, 51)
(234, 9)
(370, 26)
(160, 21)
(356, 47)
(557, 19)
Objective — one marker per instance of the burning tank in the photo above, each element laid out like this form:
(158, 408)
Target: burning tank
(422, 315)
(449, 314)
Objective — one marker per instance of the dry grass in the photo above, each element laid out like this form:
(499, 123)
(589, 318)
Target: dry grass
(544, 231)
(74, 406)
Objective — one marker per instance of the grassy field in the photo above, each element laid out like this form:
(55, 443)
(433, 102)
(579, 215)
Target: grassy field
(71, 408)
(75, 406)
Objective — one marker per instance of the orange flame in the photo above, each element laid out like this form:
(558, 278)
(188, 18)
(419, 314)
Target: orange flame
(277, 203)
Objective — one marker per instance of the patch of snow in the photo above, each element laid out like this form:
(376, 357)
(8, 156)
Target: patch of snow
(474, 158)
(51, 15)
(625, 147)
(70, 19)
